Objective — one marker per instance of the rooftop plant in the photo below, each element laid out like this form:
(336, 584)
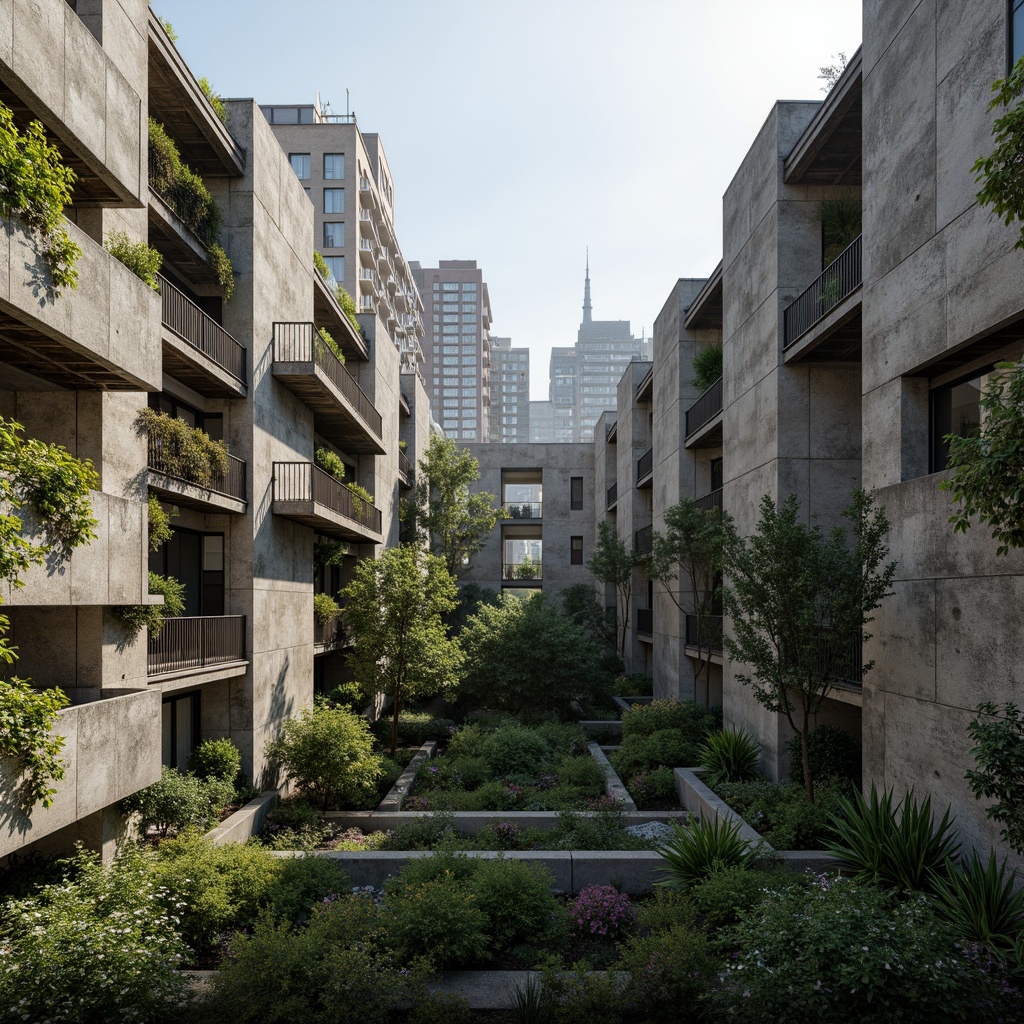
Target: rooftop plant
(707, 367)
(141, 259)
(216, 101)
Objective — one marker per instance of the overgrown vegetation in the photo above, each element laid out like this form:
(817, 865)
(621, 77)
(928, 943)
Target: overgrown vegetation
(614, 563)
(998, 752)
(136, 617)
(216, 101)
(35, 186)
(707, 367)
(26, 717)
(141, 259)
(183, 451)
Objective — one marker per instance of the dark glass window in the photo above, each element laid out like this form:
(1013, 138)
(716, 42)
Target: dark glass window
(1016, 31)
(197, 561)
(955, 409)
(212, 423)
(717, 474)
(576, 551)
(576, 493)
(180, 720)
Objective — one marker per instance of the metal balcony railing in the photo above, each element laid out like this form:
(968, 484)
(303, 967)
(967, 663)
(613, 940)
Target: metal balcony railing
(645, 621)
(302, 481)
(231, 483)
(840, 278)
(196, 642)
(301, 343)
(327, 635)
(710, 501)
(522, 571)
(613, 494)
(404, 465)
(523, 509)
(705, 409)
(643, 540)
(645, 464)
(712, 638)
(181, 315)
(849, 662)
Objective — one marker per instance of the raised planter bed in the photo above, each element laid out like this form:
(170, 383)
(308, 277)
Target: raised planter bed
(245, 822)
(699, 799)
(400, 790)
(472, 822)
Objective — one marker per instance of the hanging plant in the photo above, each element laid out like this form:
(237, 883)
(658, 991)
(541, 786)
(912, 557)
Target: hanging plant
(183, 451)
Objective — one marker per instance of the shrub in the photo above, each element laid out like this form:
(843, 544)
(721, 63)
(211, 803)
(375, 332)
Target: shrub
(35, 186)
(668, 713)
(295, 811)
(783, 815)
(330, 462)
(215, 888)
(669, 748)
(183, 451)
(515, 751)
(159, 523)
(707, 367)
(667, 908)
(141, 259)
(325, 608)
(99, 945)
(727, 893)
(601, 910)
(895, 845)
(635, 684)
(581, 773)
(328, 340)
(999, 753)
(27, 716)
(216, 759)
(667, 971)
(347, 695)
(302, 883)
(135, 617)
(515, 898)
(215, 100)
(469, 741)
(348, 307)
(440, 1008)
(320, 265)
(838, 951)
(416, 728)
(730, 755)
(328, 753)
(582, 996)
(421, 834)
(175, 803)
(695, 853)
(833, 753)
(654, 788)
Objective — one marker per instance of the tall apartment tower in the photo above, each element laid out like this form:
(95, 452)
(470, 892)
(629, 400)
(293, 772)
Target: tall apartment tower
(456, 346)
(510, 392)
(346, 176)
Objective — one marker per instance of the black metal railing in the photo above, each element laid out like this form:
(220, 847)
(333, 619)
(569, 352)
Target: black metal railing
(645, 621)
(302, 481)
(839, 279)
(523, 509)
(181, 315)
(645, 464)
(301, 343)
(710, 501)
(643, 540)
(231, 483)
(613, 494)
(522, 571)
(708, 639)
(705, 409)
(848, 662)
(328, 635)
(404, 465)
(196, 642)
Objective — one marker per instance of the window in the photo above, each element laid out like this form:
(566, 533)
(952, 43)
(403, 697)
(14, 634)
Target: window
(180, 728)
(1016, 31)
(717, 474)
(336, 267)
(469, 360)
(451, 329)
(469, 350)
(955, 409)
(449, 286)
(469, 307)
(469, 330)
(469, 392)
(309, 193)
(334, 200)
(334, 166)
(469, 435)
(469, 318)
(450, 307)
(451, 392)
(451, 350)
(469, 423)
(450, 361)
(300, 165)
(576, 551)
(334, 234)
(450, 403)
(451, 318)
(576, 493)
(469, 286)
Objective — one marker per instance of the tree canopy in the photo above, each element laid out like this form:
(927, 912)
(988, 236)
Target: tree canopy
(613, 562)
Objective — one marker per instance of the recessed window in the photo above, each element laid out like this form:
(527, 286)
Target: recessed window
(336, 267)
(1016, 31)
(576, 551)
(334, 165)
(576, 493)
(334, 234)
(956, 410)
(300, 165)
(334, 200)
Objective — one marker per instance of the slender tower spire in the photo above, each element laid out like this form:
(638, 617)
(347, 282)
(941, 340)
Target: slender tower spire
(586, 292)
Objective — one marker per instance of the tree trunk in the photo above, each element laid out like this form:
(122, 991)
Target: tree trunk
(394, 726)
(805, 754)
(625, 626)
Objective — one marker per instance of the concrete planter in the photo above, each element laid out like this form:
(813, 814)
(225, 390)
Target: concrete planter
(699, 799)
(400, 790)
(245, 822)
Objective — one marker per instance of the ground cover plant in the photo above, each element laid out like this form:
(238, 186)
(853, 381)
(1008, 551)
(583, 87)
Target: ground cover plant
(510, 768)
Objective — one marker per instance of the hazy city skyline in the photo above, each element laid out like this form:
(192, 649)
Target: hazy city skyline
(542, 130)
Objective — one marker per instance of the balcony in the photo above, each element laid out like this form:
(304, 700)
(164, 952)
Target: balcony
(179, 244)
(404, 470)
(613, 495)
(327, 312)
(523, 509)
(704, 419)
(710, 501)
(191, 643)
(368, 280)
(711, 638)
(308, 495)
(644, 622)
(825, 302)
(328, 636)
(341, 409)
(645, 468)
(225, 493)
(197, 350)
(522, 572)
(643, 540)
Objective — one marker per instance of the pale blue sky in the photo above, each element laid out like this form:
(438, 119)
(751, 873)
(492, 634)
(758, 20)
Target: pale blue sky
(519, 133)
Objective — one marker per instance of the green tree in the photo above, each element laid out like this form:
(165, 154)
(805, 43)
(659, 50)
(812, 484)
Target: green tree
(524, 656)
(798, 599)
(613, 563)
(1000, 174)
(987, 478)
(443, 513)
(395, 608)
(999, 753)
(692, 549)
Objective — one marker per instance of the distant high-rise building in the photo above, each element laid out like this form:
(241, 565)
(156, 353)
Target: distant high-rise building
(510, 392)
(584, 377)
(456, 346)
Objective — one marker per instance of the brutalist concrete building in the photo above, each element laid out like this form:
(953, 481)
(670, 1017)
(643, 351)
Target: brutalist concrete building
(253, 370)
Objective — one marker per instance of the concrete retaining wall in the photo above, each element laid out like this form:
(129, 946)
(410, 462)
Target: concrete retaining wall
(612, 783)
(472, 822)
(245, 822)
(400, 790)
